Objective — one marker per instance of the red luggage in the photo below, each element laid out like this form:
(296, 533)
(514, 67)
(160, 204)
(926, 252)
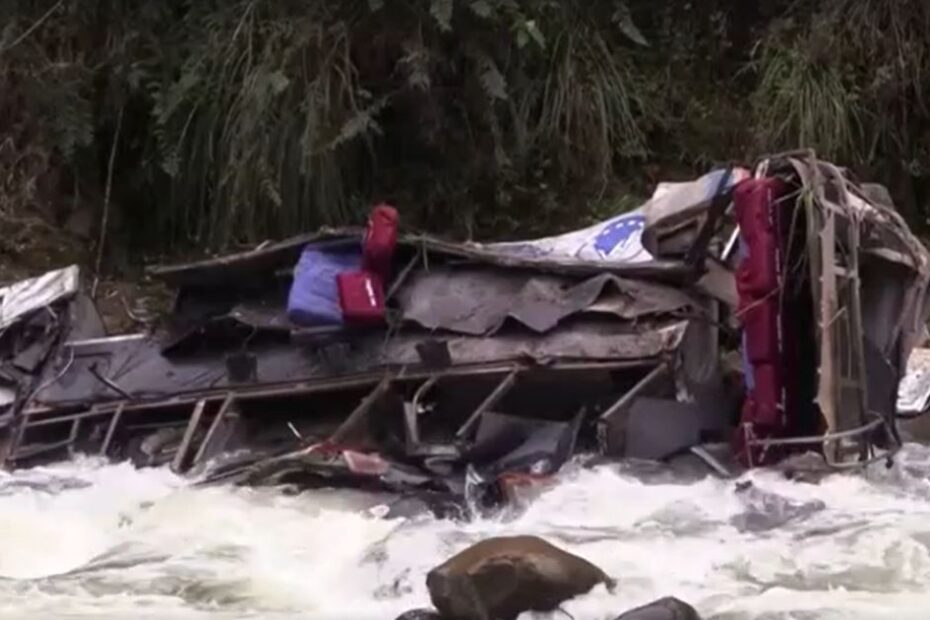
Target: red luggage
(760, 322)
(767, 395)
(361, 296)
(380, 241)
(765, 413)
(753, 198)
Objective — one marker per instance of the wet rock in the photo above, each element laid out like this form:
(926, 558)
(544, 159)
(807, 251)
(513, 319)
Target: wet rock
(500, 578)
(767, 511)
(809, 467)
(668, 608)
(420, 614)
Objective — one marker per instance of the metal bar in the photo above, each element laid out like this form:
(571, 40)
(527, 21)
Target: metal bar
(633, 392)
(72, 437)
(412, 434)
(114, 421)
(304, 388)
(499, 392)
(731, 245)
(93, 413)
(711, 461)
(361, 411)
(188, 436)
(108, 382)
(715, 211)
(35, 449)
(402, 276)
(227, 403)
(17, 440)
(815, 439)
(155, 425)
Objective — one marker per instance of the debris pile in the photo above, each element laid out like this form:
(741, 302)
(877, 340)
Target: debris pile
(768, 311)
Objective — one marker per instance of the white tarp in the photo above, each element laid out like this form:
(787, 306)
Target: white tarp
(28, 295)
(914, 389)
(619, 239)
(616, 240)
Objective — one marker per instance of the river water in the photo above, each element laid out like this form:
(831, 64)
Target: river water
(88, 539)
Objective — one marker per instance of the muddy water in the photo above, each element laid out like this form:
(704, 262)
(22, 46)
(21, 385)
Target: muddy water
(86, 539)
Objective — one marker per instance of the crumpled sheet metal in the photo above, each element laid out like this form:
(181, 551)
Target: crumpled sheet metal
(479, 301)
(674, 205)
(594, 341)
(881, 232)
(25, 296)
(914, 389)
(137, 366)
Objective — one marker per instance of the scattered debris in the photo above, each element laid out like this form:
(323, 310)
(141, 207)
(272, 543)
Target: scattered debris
(914, 390)
(772, 310)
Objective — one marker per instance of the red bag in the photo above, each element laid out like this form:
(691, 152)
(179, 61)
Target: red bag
(380, 241)
(361, 297)
(753, 199)
(760, 323)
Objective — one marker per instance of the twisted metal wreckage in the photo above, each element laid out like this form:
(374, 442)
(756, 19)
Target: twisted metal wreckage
(768, 311)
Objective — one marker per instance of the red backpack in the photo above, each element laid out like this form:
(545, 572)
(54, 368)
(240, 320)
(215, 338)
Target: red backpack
(361, 297)
(380, 241)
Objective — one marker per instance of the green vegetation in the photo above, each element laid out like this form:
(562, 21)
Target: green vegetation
(207, 124)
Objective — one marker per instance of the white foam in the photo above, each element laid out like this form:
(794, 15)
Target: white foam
(144, 545)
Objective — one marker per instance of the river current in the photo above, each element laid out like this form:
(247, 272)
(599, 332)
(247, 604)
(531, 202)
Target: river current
(96, 540)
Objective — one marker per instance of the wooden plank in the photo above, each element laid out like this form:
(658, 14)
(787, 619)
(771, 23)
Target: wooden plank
(212, 433)
(499, 392)
(111, 429)
(178, 461)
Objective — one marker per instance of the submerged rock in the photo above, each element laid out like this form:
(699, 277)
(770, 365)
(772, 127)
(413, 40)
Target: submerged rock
(500, 578)
(668, 608)
(420, 614)
(767, 511)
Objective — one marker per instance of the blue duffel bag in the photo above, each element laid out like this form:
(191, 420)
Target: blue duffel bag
(314, 298)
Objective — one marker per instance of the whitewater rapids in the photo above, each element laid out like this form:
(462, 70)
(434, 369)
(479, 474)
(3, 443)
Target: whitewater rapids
(88, 539)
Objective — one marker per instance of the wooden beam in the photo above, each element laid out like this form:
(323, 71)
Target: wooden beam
(499, 392)
(178, 462)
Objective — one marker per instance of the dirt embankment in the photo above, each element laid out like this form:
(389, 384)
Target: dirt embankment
(127, 300)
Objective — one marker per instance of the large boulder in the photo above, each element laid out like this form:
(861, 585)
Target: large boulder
(668, 608)
(500, 578)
